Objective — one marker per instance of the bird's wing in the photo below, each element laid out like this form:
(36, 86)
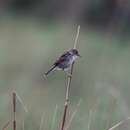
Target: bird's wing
(62, 58)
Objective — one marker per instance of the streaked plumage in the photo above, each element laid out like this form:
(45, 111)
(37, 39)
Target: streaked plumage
(64, 61)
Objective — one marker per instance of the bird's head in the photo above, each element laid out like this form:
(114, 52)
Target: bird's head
(75, 52)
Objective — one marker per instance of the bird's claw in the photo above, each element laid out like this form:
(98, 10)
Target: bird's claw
(69, 75)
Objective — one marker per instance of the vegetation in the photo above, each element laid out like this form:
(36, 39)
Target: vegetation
(100, 88)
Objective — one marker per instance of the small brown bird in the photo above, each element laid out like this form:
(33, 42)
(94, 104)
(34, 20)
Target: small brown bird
(65, 61)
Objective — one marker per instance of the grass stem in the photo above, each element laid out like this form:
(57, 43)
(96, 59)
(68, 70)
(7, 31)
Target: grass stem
(69, 79)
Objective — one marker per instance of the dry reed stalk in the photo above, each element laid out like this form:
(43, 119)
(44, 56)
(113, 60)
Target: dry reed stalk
(73, 115)
(69, 79)
(14, 110)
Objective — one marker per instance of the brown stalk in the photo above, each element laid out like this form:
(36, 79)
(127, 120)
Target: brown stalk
(69, 79)
(14, 110)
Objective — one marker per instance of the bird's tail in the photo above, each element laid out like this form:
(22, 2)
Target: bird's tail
(50, 70)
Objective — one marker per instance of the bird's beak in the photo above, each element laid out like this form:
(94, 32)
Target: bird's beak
(79, 55)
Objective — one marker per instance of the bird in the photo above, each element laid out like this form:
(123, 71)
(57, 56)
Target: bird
(64, 62)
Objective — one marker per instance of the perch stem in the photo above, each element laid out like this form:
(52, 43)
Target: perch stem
(14, 110)
(69, 79)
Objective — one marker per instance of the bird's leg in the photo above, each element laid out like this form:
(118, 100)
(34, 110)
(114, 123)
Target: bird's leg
(68, 73)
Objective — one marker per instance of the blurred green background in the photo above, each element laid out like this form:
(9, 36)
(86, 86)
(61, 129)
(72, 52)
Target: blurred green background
(34, 33)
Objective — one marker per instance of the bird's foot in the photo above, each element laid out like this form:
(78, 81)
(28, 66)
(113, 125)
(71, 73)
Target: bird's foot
(69, 74)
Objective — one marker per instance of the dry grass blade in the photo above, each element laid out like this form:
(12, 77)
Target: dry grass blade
(119, 123)
(6, 125)
(76, 38)
(20, 100)
(73, 115)
(69, 78)
(54, 117)
(42, 120)
(90, 118)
